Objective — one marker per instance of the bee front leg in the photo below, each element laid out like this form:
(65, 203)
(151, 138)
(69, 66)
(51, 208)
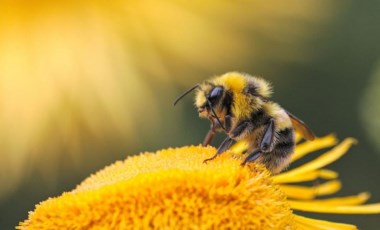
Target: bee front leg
(223, 147)
(211, 133)
(209, 136)
(216, 126)
(226, 143)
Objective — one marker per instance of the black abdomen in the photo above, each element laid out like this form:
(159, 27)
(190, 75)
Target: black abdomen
(285, 142)
(279, 157)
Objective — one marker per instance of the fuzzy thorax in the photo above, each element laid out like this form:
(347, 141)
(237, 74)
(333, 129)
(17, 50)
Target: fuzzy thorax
(241, 86)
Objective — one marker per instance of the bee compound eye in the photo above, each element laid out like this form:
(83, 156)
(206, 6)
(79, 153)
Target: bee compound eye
(216, 92)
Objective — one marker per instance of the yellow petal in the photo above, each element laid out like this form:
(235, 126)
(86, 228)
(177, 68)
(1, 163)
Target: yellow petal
(298, 137)
(308, 176)
(308, 206)
(312, 146)
(327, 174)
(325, 159)
(305, 193)
(308, 223)
(239, 147)
(348, 200)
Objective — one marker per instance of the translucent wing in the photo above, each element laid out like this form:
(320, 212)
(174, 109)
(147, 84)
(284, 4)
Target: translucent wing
(301, 127)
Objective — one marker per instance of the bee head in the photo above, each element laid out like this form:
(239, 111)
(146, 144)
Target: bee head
(207, 99)
(208, 102)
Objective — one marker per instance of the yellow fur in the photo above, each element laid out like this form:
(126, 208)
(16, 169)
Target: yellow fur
(280, 117)
(236, 82)
(233, 80)
(241, 108)
(264, 88)
(200, 97)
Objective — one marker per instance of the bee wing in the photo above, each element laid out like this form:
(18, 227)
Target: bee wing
(301, 127)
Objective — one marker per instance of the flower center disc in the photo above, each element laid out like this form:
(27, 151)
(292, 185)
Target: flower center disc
(170, 189)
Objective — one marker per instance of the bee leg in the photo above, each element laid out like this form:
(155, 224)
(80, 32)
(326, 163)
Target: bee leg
(251, 157)
(211, 133)
(228, 123)
(223, 147)
(209, 136)
(241, 129)
(266, 142)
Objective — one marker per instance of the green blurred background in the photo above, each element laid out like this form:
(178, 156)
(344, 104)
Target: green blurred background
(86, 83)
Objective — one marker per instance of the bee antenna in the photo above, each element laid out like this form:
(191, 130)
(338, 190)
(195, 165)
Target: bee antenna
(185, 93)
(216, 117)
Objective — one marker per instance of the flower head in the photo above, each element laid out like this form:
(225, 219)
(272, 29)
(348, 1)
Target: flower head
(174, 189)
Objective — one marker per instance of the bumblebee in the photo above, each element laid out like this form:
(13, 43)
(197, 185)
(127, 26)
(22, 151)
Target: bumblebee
(239, 105)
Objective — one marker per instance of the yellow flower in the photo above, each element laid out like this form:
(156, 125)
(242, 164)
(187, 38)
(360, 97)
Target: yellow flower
(173, 189)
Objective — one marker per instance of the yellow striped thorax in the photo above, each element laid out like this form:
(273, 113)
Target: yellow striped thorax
(248, 94)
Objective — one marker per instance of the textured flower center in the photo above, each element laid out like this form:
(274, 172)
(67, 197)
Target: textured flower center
(170, 189)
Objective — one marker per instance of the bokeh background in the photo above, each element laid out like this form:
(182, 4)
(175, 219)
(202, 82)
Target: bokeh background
(86, 83)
